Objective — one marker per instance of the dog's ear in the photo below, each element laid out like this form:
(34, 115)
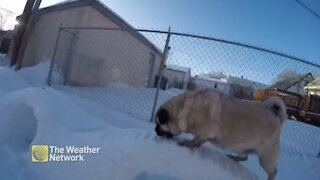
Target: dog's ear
(163, 116)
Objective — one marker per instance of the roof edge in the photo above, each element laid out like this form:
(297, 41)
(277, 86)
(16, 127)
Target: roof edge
(107, 12)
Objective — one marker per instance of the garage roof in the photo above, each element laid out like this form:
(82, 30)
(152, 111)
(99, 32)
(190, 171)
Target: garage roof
(106, 11)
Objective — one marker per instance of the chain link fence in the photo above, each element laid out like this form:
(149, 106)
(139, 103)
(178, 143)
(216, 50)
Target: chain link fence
(113, 67)
(136, 71)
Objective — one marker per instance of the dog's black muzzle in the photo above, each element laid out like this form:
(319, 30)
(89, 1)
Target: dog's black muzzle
(162, 133)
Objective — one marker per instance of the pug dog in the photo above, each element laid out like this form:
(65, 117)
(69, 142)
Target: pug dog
(235, 125)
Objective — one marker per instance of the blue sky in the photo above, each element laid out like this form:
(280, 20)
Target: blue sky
(282, 25)
(278, 24)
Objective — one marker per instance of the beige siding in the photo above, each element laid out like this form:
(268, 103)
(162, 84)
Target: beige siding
(41, 44)
(102, 57)
(98, 56)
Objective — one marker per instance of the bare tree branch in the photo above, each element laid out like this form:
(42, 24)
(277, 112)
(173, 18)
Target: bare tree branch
(7, 19)
(287, 73)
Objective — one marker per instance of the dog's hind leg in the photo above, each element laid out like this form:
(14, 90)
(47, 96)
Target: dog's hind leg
(268, 157)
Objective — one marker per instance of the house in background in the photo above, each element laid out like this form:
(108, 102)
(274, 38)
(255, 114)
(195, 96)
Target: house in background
(313, 87)
(92, 57)
(245, 82)
(294, 84)
(177, 76)
(235, 86)
(205, 82)
(244, 88)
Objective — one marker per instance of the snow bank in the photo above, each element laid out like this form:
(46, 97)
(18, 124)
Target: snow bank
(37, 75)
(129, 147)
(135, 101)
(166, 160)
(28, 113)
(4, 60)
(14, 166)
(10, 81)
(46, 116)
(26, 77)
(289, 166)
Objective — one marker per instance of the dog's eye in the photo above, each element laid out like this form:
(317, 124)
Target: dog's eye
(163, 116)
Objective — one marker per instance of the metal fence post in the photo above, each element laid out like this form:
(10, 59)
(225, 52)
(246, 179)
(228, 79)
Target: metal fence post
(162, 66)
(53, 58)
(68, 59)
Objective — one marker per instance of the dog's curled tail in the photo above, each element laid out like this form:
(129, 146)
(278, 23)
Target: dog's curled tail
(278, 107)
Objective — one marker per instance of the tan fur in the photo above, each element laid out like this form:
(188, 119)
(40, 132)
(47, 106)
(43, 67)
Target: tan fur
(232, 124)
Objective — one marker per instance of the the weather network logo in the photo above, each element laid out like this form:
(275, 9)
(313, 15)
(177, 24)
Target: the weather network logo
(49, 153)
(40, 153)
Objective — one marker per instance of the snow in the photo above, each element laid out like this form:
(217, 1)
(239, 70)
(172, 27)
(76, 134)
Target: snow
(37, 75)
(39, 116)
(135, 101)
(300, 138)
(289, 167)
(115, 119)
(10, 81)
(4, 60)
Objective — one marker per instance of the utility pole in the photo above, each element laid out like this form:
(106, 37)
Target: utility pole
(20, 29)
(28, 33)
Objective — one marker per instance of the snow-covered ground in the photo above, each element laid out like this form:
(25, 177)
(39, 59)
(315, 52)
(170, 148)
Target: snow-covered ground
(115, 119)
(4, 60)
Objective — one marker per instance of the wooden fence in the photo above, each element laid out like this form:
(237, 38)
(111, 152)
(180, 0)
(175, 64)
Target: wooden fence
(304, 108)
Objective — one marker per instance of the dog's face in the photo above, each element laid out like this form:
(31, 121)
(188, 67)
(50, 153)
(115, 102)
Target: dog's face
(166, 124)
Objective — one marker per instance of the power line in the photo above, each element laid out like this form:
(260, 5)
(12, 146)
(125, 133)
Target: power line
(309, 9)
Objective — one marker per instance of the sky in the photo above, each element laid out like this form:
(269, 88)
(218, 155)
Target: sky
(282, 25)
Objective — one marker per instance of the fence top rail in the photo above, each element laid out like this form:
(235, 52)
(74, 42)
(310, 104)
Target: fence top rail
(206, 38)
(116, 29)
